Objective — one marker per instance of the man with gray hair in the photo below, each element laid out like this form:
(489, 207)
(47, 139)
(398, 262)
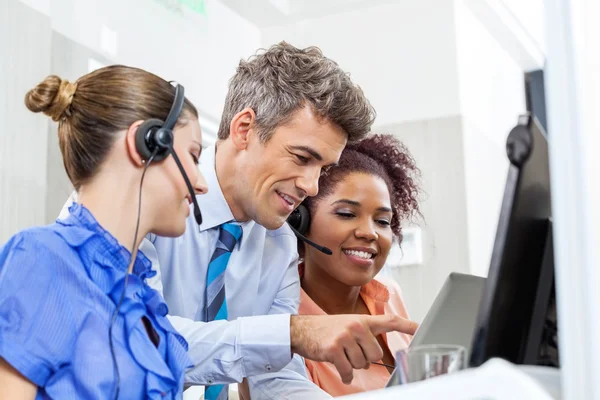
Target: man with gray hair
(232, 285)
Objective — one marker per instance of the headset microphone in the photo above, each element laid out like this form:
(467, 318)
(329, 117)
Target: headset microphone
(299, 221)
(322, 249)
(197, 214)
(155, 134)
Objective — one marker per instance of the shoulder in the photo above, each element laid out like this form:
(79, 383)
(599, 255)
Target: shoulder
(34, 242)
(39, 256)
(40, 267)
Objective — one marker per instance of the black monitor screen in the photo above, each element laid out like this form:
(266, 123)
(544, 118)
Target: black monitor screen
(516, 319)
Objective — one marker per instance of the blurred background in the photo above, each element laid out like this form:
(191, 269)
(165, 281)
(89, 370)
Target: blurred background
(447, 77)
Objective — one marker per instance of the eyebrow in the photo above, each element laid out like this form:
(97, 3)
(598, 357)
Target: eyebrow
(357, 204)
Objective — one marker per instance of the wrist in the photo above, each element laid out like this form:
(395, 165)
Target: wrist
(296, 328)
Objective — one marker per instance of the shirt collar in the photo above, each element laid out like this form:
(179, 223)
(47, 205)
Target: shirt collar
(376, 291)
(214, 207)
(107, 259)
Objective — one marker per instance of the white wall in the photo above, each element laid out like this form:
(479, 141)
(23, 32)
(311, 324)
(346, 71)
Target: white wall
(530, 14)
(402, 54)
(201, 52)
(25, 56)
(491, 98)
(437, 146)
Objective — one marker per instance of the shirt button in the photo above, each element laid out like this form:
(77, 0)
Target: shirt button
(210, 381)
(268, 367)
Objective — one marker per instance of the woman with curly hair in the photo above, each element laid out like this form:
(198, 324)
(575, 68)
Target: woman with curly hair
(357, 214)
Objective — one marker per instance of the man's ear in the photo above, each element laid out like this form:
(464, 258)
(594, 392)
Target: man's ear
(132, 151)
(242, 127)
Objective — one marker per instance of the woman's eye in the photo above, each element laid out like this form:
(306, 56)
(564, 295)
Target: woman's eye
(345, 215)
(195, 158)
(383, 222)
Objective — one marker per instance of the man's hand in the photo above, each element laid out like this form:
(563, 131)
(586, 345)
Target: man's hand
(347, 341)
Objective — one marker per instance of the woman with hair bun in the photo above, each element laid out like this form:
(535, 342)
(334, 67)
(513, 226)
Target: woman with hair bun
(358, 212)
(70, 325)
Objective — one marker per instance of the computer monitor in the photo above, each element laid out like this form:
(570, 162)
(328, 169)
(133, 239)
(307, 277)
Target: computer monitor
(517, 314)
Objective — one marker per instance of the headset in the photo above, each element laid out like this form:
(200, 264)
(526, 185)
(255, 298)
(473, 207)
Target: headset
(156, 137)
(154, 143)
(299, 221)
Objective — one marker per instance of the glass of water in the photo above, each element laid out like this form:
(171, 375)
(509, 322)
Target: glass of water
(418, 363)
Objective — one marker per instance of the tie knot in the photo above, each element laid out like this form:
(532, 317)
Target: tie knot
(230, 234)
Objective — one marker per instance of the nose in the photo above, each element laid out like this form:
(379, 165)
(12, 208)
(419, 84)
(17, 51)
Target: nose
(309, 182)
(366, 230)
(200, 187)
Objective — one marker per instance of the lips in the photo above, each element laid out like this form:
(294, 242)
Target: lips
(289, 199)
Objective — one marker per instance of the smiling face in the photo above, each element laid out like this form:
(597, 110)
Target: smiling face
(354, 222)
(279, 174)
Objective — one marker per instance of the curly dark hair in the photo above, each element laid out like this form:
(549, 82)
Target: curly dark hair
(384, 156)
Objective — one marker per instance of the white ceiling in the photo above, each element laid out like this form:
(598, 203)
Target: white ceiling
(266, 13)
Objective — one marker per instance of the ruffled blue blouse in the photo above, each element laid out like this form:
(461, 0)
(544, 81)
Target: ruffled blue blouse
(59, 286)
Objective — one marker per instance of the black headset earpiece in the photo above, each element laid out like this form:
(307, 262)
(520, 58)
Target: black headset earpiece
(151, 136)
(156, 137)
(299, 221)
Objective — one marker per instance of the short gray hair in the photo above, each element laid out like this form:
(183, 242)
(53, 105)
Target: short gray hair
(284, 79)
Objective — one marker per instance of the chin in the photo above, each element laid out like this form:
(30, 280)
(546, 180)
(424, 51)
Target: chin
(271, 222)
(357, 279)
(171, 231)
(179, 231)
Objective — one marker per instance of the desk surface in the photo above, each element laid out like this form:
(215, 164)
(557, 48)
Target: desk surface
(495, 380)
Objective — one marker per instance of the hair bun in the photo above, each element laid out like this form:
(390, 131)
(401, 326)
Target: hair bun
(52, 96)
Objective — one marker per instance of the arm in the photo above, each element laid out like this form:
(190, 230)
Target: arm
(291, 382)
(31, 305)
(14, 385)
(228, 351)
(347, 341)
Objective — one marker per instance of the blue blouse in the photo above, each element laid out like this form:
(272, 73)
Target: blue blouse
(59, 286)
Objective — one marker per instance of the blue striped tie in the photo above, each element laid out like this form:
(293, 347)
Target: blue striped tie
(216, 303)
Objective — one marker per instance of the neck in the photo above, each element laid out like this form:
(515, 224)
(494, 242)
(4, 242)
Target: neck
(331, 295)
(113, 201)
(226, 172)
